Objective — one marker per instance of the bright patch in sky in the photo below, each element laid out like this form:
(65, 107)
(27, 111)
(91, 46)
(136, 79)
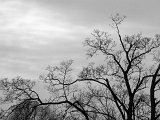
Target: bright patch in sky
(31, 37)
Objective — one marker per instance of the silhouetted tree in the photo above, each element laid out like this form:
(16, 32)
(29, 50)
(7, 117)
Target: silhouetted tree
(60, 83)
(58, 80)
(125, 72)
(155, 87)
(19, 92)
(98, 103)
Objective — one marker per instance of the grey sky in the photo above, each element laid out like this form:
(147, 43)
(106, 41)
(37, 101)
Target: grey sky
(37, 33)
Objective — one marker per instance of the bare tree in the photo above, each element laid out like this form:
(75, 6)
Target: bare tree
(60, 85)
(58, 80)
(125, 68)
(98, 103)
(155, 86)
(18, 92)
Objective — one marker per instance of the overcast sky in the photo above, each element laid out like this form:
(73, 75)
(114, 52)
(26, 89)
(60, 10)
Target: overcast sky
(37, 33)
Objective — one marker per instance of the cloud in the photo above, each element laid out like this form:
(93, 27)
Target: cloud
(91, 12)
(32, 37)
(35, 33)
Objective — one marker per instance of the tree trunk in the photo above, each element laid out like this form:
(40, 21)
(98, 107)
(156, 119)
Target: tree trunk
(130, 109)
(153, 105)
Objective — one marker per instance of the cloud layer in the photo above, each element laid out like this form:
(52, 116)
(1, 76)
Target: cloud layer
(32, 37)
(36, 33)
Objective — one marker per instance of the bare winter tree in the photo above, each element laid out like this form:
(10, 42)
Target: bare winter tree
(125, 73)
(18, 92)
(58, 81)
(98, 103)
(155, 86)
